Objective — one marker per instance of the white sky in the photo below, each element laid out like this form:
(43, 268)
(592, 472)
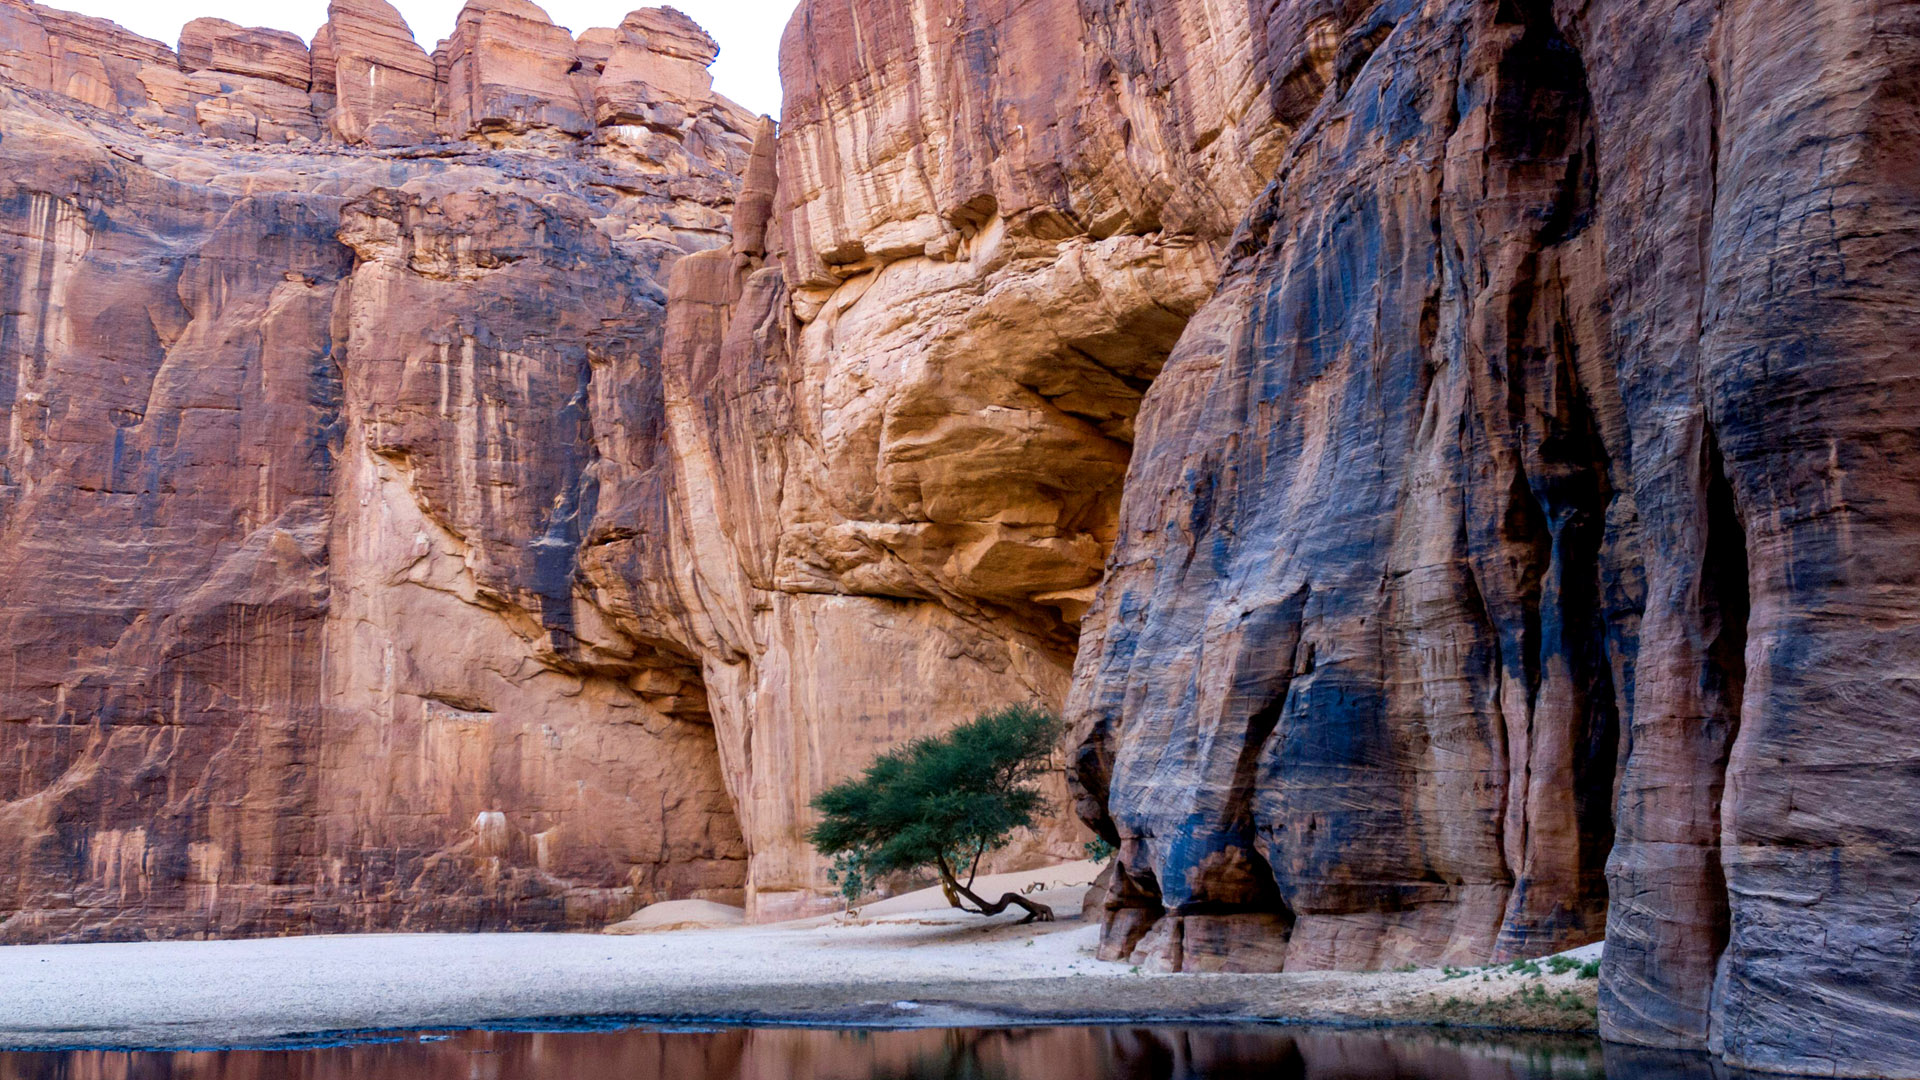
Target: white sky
(748, 31)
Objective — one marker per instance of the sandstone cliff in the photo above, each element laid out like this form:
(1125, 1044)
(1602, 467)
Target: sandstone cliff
(303, 442)
(1448, 459)
(901, 406)
(1516, 545)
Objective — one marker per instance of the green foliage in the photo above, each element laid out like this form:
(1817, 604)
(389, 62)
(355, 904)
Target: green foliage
(1582, 969)
(1098, 850)
(949, 798)
(1565, 1000)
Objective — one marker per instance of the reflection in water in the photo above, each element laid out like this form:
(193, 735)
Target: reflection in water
(1040, 1053)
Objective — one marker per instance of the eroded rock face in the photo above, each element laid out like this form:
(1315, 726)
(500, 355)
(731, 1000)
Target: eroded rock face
(509, 67)
(382, 80)
(507, 76)
(1464, 603)
(1449, 459)
(655, 67)
(301, 452)
(1396, 650)
(218, 45)
(901, 417)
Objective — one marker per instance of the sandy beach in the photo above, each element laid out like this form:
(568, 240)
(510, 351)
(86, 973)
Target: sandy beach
(902, 962)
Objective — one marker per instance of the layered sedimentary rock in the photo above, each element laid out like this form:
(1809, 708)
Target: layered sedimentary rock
(381, 79)
(1450, 460)
(1508, 553)
(218, 45)
(654, 68)
(509, 67)
(506, 73)
(301, 448)
(901, 410)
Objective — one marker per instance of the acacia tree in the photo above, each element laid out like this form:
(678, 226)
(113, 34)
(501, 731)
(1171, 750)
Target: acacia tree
(941, 803)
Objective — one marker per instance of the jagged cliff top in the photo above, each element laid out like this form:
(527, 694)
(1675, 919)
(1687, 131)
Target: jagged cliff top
(506, 76)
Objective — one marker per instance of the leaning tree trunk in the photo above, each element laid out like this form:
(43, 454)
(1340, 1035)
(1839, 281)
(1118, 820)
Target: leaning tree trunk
(1035, 909)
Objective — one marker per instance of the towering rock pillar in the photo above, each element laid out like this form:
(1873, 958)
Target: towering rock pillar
(381, 80)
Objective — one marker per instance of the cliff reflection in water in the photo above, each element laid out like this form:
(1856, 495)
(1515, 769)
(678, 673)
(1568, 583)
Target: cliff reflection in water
(1044, 1053)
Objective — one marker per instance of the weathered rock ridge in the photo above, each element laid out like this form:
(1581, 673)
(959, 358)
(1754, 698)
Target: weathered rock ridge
(1451, 461)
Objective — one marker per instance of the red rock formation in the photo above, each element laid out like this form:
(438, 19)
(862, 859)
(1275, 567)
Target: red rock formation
(300, 451)
(508, 69)
(383, 82)
(655, 68)
(89, 60)
(1449, 459)
(1503, 519)
(900, 447)
(218, 45)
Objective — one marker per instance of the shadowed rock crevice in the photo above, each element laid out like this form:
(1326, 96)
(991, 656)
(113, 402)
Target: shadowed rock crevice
(1661, 985)
(1725, 608)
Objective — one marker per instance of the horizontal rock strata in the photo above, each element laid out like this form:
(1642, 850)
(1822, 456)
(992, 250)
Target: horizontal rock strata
(507, 70)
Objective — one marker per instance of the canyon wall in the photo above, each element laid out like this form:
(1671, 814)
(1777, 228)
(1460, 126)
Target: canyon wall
(902, 405)
(1517, 546)
(1449, 460)
(441, 569)
(304, 439)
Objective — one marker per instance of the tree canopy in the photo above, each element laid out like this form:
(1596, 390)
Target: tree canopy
(941, 803)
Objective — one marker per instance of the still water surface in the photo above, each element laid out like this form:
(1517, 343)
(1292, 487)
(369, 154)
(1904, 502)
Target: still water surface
(1040, 1053)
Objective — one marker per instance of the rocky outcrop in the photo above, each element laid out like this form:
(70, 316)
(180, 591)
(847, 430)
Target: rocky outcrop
(89, 60)
(382, 81)
(509, 68)
(218, 45)
(654, 68)
(1464, 603)
(507, 74)
(302, 451)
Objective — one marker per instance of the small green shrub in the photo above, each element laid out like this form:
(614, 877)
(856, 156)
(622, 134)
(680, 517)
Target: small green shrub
(940, 803)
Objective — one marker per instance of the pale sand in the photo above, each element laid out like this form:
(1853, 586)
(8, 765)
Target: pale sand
(901, 962)
(680, 915)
